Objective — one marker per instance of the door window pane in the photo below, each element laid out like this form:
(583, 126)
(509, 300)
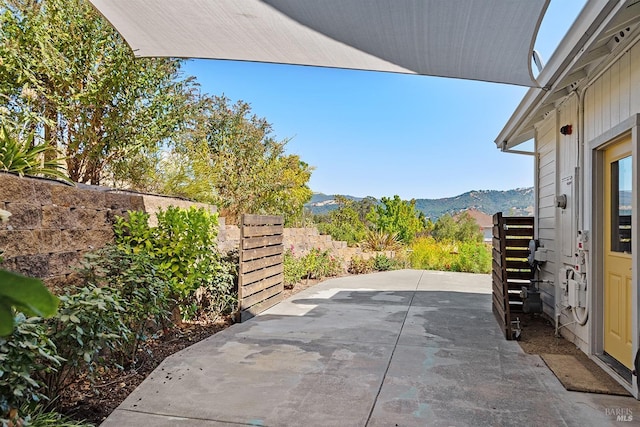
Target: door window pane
(621, 205)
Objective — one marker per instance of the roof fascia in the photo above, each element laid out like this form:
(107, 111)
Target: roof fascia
(587, 25)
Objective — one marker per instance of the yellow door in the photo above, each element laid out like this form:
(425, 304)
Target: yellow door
(617, 252)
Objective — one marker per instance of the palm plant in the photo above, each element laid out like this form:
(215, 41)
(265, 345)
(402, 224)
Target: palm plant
(24, 157)
(377, 240)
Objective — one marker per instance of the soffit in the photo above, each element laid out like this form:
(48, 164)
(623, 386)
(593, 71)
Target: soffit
(488, 40)
(598, 40)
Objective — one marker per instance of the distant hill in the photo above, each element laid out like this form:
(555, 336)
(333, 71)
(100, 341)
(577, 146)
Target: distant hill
(322, 203)
(518, 202)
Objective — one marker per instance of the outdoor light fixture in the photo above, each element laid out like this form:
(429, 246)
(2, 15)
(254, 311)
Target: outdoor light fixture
(566, 130)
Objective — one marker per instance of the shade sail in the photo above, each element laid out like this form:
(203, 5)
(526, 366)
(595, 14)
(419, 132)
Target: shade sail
(489, 40)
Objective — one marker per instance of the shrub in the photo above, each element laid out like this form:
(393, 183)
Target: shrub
(428, 254)
(384, 263)
(142, 291)
(39, 416)
(220, 295)
(462, 228)
(474, 257)
(88, 323)
(344, 224)
(316, 264)
(20, 153)
(359, 265)
(185, 245)
(27, 351)
(401, 217)
(294, 269)
(40, 357)
(183, 248)
(319, 264)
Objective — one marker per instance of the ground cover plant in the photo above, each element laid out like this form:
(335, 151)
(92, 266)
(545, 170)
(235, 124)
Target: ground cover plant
(316, 264)
(456, 244)
(124, 299)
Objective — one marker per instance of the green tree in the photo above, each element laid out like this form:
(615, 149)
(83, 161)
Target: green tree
(344, 223)
(231, 159)
(363, 207)
(108, 113)
(394, 215)
(444, 229)
(462, 228)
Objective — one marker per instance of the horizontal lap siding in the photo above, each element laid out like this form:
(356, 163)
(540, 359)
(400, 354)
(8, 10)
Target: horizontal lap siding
(546, 214)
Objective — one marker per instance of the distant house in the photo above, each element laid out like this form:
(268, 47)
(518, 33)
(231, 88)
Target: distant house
(485, 222)
(585, 125)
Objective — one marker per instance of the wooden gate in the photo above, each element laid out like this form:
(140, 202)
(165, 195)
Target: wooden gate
(510, 269)
(261, 271)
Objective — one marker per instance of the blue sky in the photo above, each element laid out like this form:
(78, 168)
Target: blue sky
(380, 134)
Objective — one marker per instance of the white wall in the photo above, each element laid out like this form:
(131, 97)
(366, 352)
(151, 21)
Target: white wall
(546, 215)
(614, 96)
(569, 184)
(608, 101)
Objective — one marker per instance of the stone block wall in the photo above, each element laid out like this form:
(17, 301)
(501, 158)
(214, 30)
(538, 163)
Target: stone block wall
(300, 241)
(52, 225)
(228, 236)
(153, 203)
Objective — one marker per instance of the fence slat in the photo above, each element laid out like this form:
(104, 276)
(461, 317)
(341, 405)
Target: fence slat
(522, 242)
(260, 307)
(251, 254)
(518, 220)
(521, 232)
(261, 270)
(262, 284)
(262, 295)
(510, 269)
(263, 230)
(262, 219)
(259, 242)
(258, 275)
(261, 263)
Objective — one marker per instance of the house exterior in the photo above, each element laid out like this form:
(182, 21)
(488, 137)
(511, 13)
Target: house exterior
(585, 124)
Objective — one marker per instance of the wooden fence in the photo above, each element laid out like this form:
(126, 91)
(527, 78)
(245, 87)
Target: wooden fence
(510, 269)
(261, 270)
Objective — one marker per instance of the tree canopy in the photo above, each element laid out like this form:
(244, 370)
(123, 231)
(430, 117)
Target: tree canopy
(137, 123)
(394, 215)
(461, 228)
(107, 112)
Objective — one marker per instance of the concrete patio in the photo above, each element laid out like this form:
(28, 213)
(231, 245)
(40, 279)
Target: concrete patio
(402, 348)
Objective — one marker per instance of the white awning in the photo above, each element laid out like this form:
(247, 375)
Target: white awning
(489, 40)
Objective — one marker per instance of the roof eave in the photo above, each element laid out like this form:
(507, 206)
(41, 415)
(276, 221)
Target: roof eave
(519, 127)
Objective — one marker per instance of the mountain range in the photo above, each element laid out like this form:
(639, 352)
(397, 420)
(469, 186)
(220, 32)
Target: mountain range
(517, 202)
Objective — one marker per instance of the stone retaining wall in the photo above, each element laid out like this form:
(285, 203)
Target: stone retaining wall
(53, 224)
(298, 240)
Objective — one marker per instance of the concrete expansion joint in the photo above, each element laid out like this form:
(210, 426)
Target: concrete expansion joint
(395, 346)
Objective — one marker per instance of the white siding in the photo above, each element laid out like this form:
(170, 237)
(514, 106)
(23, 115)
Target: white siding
(567, 180)
(608, 101)
(546, 215)
(614, 96)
